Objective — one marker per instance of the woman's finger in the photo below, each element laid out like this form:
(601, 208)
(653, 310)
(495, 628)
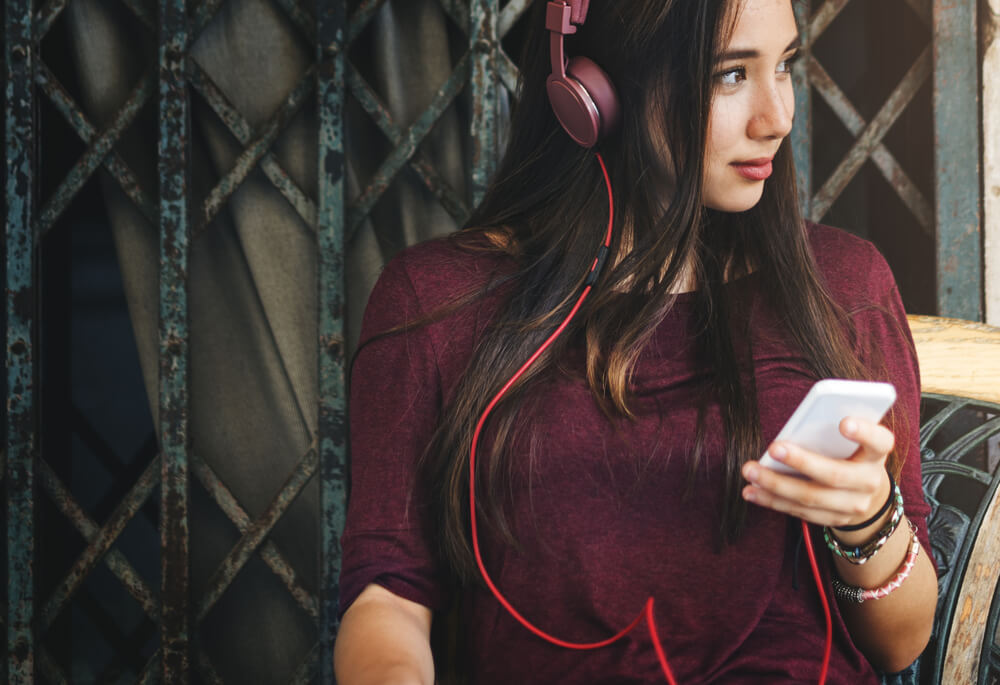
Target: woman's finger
(875, 440)
(841, 474)
(819, 516)
(812, 494)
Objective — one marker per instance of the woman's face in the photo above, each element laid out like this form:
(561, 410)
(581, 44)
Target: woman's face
(752, 104)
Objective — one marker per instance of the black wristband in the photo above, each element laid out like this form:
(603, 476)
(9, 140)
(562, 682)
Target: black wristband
(878, 514)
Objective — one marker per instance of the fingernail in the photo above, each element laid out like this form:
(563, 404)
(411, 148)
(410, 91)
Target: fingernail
(850, 427)
(778, 452)
(750, 472)
(749, 495)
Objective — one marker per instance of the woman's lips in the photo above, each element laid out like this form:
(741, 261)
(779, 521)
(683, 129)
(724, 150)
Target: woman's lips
(754, 169)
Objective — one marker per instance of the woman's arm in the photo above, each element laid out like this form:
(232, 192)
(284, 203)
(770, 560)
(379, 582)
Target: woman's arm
(892, 631)
(384, 640)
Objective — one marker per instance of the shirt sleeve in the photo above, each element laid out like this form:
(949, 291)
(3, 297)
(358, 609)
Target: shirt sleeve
(885, 344)
(395, 402)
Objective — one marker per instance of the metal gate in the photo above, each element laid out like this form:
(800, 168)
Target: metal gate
(949, 215)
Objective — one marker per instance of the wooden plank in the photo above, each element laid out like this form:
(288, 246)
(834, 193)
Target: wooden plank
(990, 33)
(958, 357)
(965, 641)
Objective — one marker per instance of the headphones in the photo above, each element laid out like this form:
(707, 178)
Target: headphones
(581, 93)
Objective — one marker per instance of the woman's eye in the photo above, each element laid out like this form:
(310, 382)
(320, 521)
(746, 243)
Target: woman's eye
(785, 65)
(732, 77)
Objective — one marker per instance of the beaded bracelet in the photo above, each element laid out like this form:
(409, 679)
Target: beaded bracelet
(858, 595)
(862, 553)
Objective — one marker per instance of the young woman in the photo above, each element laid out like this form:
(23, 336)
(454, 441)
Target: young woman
(616, 481)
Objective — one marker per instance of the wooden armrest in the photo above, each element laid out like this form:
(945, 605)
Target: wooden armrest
(957, 357)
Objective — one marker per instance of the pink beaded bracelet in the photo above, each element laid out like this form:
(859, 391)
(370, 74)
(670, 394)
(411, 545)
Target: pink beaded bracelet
(856, 594)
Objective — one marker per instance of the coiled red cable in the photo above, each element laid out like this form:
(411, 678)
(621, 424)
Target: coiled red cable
(647, 610)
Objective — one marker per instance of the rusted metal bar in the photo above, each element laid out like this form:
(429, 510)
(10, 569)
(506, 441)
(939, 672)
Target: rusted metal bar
(269, 552)
(511, 12)
(483, 81)
(115, 165)
(141, 11)
(47, 16)
(254, 532)
(433, 181)
(362, 15)
(408, 145)
(207, 671)
(100, 544)
(150, 674)
(96, 153)
(203, 13)
(506, 70)
(21, 411)
(823, 17)
(114, 560)
(240, 128)
(957, 164)
(331, 58)
(301, 19)
(872, 135)
(253, 153)
(801, 135)
(173, 169)
(306, 671)
(884, 160)
(50, 669)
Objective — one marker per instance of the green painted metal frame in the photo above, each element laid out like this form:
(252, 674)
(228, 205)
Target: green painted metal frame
(485, 67)
(175, 241)
(950, 62)
(20, 348)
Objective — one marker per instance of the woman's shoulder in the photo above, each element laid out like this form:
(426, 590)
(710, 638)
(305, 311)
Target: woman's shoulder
(446, 283)
(439, 270)
(852, 267)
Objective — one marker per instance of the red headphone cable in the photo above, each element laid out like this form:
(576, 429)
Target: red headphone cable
(647, 610)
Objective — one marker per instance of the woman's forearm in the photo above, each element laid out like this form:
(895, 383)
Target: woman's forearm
(384, 640)
(892, 631)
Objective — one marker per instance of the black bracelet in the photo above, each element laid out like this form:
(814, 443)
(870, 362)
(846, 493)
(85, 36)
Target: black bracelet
(878, 514)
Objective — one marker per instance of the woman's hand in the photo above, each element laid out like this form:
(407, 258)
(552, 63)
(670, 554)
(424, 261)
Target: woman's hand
(839, 492)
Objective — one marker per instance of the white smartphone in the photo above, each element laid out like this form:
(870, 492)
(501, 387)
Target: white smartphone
(815, 424)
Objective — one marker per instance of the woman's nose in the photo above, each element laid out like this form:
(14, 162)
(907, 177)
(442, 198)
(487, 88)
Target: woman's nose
(774, 109)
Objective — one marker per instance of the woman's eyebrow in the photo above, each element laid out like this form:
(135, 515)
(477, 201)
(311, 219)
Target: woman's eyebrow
(751, 54)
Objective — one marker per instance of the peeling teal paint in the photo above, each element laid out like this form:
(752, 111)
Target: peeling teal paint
(483, 81)
(332, 426)
(20, 342)
(957, 170)
(173, 169)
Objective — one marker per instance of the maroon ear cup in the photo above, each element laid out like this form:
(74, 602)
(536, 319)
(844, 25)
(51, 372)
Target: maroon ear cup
(582, 95)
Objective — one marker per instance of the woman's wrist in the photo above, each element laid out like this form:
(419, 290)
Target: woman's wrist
(859, 536)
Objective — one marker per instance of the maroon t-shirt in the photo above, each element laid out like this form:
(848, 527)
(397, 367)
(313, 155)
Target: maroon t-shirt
(605, 523)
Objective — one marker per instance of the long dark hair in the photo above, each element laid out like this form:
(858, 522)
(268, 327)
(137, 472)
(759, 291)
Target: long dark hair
(546, 209)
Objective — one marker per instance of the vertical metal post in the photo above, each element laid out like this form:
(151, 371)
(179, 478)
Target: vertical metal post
(331, 55)
(19, 246)
(990, 33)
(483, 40)
(956, 146)
(801, 136)
(174, 131)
